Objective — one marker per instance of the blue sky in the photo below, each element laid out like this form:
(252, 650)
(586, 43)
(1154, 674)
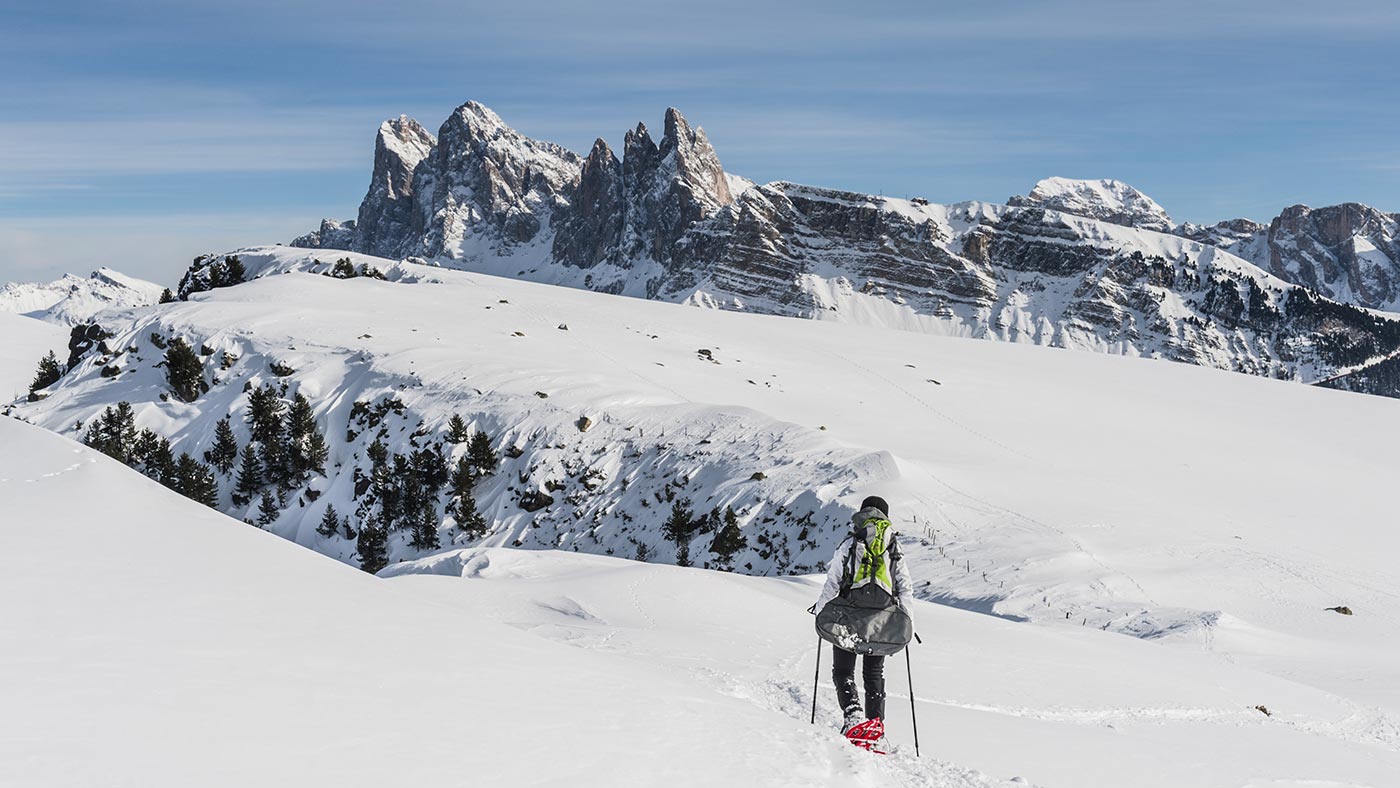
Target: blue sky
(139, 134)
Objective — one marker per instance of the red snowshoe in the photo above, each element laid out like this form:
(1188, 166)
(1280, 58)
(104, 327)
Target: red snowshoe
(868, 735)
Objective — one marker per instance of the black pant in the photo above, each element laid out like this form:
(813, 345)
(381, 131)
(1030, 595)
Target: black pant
(843, 672)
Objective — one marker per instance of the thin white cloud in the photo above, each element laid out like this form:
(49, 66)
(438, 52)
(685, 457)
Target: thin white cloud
(158, 248)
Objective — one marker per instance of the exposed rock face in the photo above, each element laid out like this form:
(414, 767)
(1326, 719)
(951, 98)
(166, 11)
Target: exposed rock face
(488, 188)
(591, 233)
(332, 234)
(386, 215)
(1226, 234)
(1076, 264)
(1348, 252)
(1106, 200)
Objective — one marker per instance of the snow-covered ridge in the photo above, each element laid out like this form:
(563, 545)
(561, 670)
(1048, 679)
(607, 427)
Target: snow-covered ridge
(72, 299)
(1105, 199)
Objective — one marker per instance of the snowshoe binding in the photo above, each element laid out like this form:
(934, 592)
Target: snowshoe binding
(868, 735)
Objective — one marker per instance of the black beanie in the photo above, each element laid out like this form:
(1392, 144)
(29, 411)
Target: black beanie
(877, 502)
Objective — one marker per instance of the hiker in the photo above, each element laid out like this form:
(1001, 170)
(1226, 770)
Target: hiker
(867, 577)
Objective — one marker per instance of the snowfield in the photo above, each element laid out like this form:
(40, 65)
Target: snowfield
(23, 341)
(1157, 545)
(179, 647)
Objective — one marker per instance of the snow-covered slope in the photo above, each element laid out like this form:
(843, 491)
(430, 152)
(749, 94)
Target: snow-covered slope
(1201, 509)
(73, 299)
(178, 647)
(23, 341)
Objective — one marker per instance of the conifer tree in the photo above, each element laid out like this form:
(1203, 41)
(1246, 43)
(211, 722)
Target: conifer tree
(48, 373)
(678, 528)
(267, 509)
(159, 463)
(729, 540)
(425, 523)
(184, 371)
(114, 433)
(301, 425)
(195, 481)
(481, 454)
(343, 269)
(166, 296)
(330, 522)
(457, 431)
(316, 452)
(250, 476)
(224, 453)
(234, 272)
(372, 544)
(469, 520)
(265, 409)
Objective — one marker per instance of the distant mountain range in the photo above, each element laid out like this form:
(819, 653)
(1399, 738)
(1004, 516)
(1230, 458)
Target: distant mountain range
(1094, 265)
(73, 299)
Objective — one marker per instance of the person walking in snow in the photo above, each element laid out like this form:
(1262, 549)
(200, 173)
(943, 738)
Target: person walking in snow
(867, 564)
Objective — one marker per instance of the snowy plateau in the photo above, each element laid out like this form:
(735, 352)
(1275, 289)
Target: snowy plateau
(1124, 566)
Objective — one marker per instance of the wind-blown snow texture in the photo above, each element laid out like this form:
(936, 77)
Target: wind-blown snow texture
(1082, 264)
(177, 647)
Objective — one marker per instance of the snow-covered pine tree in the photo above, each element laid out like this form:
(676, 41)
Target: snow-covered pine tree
(678, 528)
(166, 296)
(48, 373)
(195, 481)
(372, 545)
(482, 456)
(457, 431)
(114, 433)
(265, 409)
(184, 371)
(301, 425)
(425, 524)
(158, 460)
(729, 541)
(250, 476)
(268, 510)
(330, 522)
(234, 272)
(224, 453)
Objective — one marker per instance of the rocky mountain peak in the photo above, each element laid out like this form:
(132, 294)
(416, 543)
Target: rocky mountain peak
(1105, 199)
(1350, 252)
(696, 160)
(386, 213)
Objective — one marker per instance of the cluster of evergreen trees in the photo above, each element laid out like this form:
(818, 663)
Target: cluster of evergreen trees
(344, 269)
(203, 275)
(284, 449)
(114, 433)
(406, 489)
(682, 526)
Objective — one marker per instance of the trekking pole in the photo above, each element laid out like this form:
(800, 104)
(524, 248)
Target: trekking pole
(816, 676)
(914, 715)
